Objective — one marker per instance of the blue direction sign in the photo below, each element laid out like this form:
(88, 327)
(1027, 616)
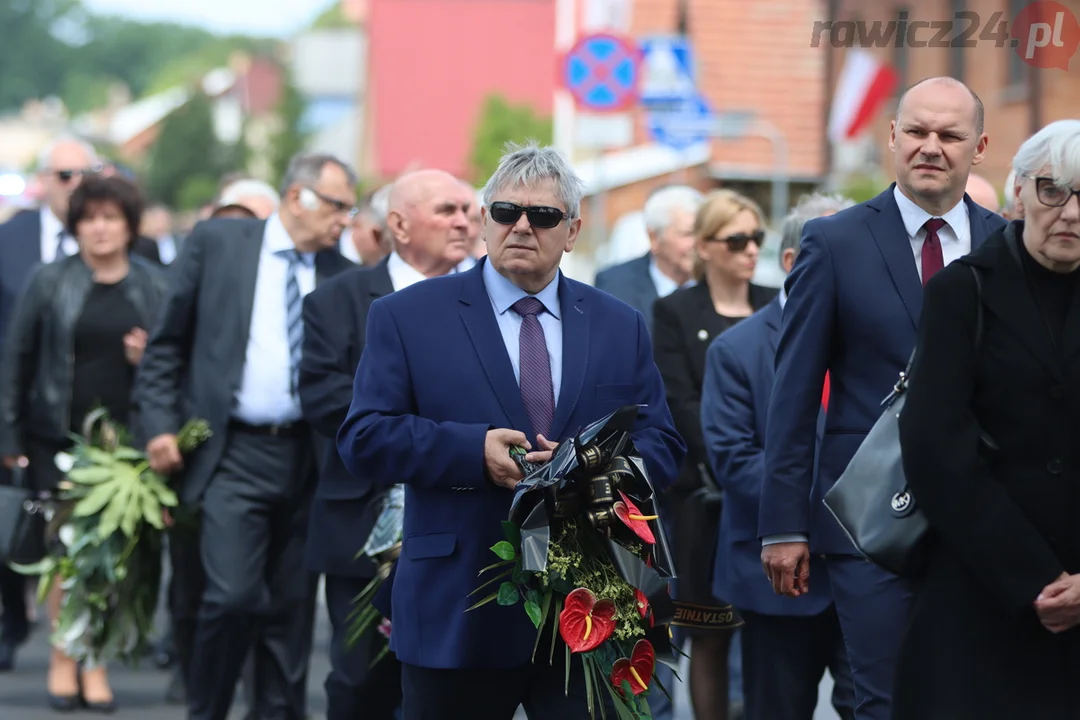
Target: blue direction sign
(668, 72)
(683, 124)
(601, 72)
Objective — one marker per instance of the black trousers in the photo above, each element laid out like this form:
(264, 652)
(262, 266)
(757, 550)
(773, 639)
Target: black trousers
(354, 688)
(14, 627)
(784, 659)
(254, 520)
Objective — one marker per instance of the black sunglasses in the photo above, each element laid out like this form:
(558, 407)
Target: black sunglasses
(539, 216)
(739, 241)
(67, 175)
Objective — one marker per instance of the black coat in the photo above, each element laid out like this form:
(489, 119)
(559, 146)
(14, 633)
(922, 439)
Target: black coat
(194, 359)
(335, 324)
(1005, 522)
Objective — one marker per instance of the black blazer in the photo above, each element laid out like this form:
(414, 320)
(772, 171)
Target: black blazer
(632, 283)
(1005, 520)
(684, 324)
(335, 326)
(194, 358)
(20, 251)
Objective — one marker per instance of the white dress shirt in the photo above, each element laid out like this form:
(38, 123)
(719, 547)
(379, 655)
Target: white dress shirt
(663, 284)
(503, 294)
(166, 247)
(265, 396)
(955, 236)
(51, 230)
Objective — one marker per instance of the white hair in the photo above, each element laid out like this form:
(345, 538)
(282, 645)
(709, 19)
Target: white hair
(248, 187)
(809, 207)
(45, 154)
(379, 206)
(1010, 192)
(530, 164)
(1057, 147)
(663, 203)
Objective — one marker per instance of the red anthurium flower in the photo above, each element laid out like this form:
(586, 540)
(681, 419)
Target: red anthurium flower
(585, 622)
(637, 669)
(643, 606)
(628, 512)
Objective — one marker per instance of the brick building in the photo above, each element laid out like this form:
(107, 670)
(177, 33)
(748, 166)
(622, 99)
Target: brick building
(1018, 98)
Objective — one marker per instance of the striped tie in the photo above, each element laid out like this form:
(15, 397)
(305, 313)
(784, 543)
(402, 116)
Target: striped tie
(294, 319)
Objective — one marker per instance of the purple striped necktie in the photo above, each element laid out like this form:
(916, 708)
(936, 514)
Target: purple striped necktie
(534, 367)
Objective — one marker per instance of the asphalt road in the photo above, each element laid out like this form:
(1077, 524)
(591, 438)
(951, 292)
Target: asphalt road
(140, 691)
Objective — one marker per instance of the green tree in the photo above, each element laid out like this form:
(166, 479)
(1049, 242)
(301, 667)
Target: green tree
(333, 18)
(34, 61)
(502, 122)
(292, 137)
(187, 156)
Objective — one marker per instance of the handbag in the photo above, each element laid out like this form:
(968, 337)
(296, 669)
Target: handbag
(871, 500)
(22, 522)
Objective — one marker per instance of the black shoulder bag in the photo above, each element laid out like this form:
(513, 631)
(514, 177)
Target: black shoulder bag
(22, 522)
(871, 499)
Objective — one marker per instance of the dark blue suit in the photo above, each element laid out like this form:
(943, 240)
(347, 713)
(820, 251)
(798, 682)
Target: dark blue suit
(344, 508)
(434, 378)
(20, 251)
(787, 643)
(854, 299)
(632, 283)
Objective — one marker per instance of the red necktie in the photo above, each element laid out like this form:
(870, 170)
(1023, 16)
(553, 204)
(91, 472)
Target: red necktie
(932, 259)
(825, 393)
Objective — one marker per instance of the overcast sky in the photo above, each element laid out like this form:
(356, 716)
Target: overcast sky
(255, 17)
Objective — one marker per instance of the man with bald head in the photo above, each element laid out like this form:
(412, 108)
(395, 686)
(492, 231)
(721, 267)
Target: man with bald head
(29, 238)
(983, 193)
(852, 308)
(428, 224)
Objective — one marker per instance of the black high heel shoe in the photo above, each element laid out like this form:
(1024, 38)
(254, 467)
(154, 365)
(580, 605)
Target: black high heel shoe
(64, 703)
(104, 708)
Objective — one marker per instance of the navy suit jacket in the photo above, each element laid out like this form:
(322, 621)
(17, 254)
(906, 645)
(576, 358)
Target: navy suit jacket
(854, 299)
(734, 405)
(335, 324)
(433, 379)
(631, 282)
(20, 251)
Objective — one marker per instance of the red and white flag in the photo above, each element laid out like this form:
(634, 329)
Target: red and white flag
(864, 84)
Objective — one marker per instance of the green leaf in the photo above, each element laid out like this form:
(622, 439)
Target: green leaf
(98, 456)
(133, 512)
(512, 533)
(90, 475)
(93, 503)
(151, 510)
(533, 611)
(114, 512)
(590, 691)
(504, 550)
(508, 594)
(485, 601)
(495, 566)
(156, 484)
(128, 453)
(495, 579)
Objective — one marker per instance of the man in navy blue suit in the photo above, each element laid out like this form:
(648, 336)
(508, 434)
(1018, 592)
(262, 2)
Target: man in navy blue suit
(458, 370)
(428, 224)
(669, 265)
(787, 644)
(854, 299)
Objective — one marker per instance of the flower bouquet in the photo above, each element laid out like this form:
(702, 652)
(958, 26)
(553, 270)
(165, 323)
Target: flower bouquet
(585, 548)
(107, 556)
(383, 547)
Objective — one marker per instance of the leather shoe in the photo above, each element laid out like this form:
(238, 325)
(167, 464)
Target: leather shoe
(7, 655)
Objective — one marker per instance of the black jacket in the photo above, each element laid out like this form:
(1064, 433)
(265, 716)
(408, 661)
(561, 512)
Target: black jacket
(36, 374)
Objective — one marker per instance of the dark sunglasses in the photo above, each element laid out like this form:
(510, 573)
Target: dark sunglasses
(67, 175)
(539, 216)
(739, 241)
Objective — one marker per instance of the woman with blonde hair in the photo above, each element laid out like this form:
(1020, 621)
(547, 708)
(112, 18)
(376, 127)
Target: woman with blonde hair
(729, 231)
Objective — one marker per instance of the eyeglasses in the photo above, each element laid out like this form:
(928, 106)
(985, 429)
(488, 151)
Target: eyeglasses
(1053, 194)
(337, 205)
(66, 176)
(541, 217)
(739, 241)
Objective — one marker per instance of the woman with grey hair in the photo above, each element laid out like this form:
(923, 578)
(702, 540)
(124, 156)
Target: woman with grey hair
(989, 432)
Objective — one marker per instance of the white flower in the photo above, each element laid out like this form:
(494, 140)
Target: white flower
(64, 462)
(67, 535)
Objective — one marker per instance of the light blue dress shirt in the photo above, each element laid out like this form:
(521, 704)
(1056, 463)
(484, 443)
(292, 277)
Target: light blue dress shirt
(503, 294)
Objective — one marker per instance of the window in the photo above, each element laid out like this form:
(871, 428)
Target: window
(956, 50)
(1015, 67)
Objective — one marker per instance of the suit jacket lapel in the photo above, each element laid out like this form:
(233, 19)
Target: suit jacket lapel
(247, 256)
(887, 228)
(977, 224)
(773, 315)
(575, 353)
(483, 329)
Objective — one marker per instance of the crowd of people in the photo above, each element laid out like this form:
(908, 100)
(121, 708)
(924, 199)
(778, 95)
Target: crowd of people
(458, 338)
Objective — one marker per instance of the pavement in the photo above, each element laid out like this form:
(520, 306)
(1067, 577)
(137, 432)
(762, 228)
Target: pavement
(140, 691)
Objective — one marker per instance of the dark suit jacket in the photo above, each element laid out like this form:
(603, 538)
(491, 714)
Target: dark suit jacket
(335, 326)
(1004, 523)
(20, 251)
(147, 248)
(854, 300)
(631, 282)
(434, 378)
(194, 359)
(734, 402)
(685, 322)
